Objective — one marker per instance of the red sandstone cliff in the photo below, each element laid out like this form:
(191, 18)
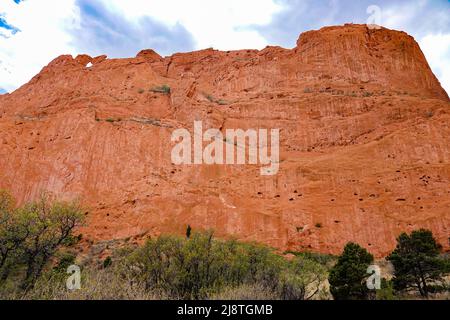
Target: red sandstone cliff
(365, 147)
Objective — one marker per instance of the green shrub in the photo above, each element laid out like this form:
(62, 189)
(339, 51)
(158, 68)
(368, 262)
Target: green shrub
(165, 89)
(303, 280)
(31, 235)
(222, 102)
(200, 266)
(210, 98)
(65, 260)
(387, 291)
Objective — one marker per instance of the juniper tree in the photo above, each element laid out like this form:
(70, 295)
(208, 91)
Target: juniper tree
(416, 261)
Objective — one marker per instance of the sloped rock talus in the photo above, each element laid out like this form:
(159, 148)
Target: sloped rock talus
(364, 140)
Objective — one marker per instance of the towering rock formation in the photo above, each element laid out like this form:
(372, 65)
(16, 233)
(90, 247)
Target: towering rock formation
(364, 140)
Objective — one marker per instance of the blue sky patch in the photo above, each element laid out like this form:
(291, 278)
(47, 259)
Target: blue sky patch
(5, 25)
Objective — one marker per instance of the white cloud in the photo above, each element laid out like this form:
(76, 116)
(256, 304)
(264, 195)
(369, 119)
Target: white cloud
(218, 24)
(436, 48)
(46, 28)
(43, 36)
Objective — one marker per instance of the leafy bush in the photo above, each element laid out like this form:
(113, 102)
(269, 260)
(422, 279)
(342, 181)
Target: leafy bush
(162, 89)
(210, 98)
(31, 235)
(387, 291)
(200, 266)
(303, 281)
(222, 102)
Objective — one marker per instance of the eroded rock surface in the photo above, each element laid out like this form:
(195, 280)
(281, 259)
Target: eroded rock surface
(365, 147)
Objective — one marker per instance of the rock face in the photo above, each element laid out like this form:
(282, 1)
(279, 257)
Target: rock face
(364, 141)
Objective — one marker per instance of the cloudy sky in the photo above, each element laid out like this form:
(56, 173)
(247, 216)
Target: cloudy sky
(34, 32)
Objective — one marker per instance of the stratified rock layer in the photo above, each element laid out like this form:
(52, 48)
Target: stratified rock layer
(365, 147)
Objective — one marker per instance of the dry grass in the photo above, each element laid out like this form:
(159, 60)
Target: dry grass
(245, 292)
(95, 285)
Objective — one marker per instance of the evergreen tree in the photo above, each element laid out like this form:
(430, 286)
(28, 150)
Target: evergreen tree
(416, 261)
(348, 277)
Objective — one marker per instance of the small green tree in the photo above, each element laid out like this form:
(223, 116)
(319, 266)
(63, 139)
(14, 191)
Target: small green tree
(347, 277)
(32, 234)
(50, 224)
(13, 233)
(416, 261)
